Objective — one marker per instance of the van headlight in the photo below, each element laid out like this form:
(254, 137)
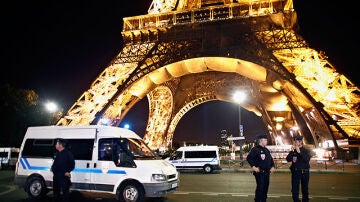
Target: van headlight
(158, 177)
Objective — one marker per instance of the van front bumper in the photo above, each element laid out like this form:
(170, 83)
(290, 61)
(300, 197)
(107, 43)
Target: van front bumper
(160, 189)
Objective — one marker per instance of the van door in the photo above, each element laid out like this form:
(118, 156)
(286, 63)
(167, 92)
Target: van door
(111, 168)
(81, 144)
(82, 150)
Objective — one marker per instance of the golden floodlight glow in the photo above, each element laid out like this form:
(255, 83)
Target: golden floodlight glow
(279, 119)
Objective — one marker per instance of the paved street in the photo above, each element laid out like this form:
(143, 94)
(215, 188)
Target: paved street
(230, 184)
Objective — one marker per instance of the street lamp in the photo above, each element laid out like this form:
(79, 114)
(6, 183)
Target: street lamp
(239, 97)
(51, 107)
(55, 113)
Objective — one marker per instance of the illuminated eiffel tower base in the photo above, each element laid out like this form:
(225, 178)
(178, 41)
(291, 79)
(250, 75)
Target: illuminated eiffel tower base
(185, 53)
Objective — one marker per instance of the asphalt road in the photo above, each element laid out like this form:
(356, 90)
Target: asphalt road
(226, 185)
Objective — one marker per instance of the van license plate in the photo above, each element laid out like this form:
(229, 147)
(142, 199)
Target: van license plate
(174, 185)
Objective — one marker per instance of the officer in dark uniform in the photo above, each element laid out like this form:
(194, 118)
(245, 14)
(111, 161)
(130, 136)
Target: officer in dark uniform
(262, 164)
(63, 164)
(299, 158)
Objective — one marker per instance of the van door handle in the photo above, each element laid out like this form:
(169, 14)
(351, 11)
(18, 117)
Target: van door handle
(94, 165)
(87, 165)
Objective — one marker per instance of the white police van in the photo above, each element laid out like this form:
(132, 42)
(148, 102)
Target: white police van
(196, 158)
(108, 160)
(8, 157)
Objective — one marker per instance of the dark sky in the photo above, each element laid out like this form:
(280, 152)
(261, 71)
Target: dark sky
(58, 48)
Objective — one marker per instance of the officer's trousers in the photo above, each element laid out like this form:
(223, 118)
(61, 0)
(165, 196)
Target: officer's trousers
(61, 183)
(300, 176)
(262, 185)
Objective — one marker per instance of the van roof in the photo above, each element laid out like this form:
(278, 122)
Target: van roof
(9, 149)
(79, 131)
(198, 148)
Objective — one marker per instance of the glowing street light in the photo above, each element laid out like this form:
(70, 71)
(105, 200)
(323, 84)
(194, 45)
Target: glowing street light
(56, 114)
(51, 107)
(239, 97)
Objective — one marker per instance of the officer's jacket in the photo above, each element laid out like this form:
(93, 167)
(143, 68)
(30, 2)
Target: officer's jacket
(299, 160)
(63, 162)
(260, 157)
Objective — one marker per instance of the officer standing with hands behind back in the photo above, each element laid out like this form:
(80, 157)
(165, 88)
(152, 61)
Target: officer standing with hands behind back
(262, 164)
(299, 158)
(63, 164)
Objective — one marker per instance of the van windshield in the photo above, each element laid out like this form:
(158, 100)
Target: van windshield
(139, 149)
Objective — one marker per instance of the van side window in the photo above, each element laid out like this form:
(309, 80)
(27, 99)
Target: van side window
(3, 154)
(177, 155)
(82, 149)
(39, 148)
(116, 150)
(200, 154)
(105, 149)
(124, 156)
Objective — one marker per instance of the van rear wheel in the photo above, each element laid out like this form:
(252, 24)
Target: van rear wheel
(36, 187)
(208, 168)
(130, 192)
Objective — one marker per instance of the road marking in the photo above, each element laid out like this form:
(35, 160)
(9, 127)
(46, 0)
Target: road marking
(329, 197)
(339, 198)
(212, 194)
(241, 195)
(11, 188)
(273, 196)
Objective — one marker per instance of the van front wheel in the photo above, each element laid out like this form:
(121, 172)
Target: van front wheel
(208, 168)
(130, 192)
(36, 187)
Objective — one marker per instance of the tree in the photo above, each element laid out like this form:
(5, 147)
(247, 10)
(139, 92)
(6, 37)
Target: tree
(18, 109)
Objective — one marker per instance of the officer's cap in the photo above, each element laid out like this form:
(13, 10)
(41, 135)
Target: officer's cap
(63, 142)
(261, 136)
(298, 137)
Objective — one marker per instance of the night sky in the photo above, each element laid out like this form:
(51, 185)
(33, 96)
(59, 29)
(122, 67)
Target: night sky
(58, 48)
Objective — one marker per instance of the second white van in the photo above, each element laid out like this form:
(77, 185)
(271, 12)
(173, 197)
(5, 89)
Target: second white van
(196, 158)
(8, 157)
(108, 160)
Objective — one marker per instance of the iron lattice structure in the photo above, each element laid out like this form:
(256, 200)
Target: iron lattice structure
(188, 52)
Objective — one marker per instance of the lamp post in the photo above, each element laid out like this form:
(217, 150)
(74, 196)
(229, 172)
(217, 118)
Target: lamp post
(239, 97)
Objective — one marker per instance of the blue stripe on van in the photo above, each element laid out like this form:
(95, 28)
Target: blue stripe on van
(22, 163)
(116, 172)
(187, 161)
(26, 165)
(87, 170)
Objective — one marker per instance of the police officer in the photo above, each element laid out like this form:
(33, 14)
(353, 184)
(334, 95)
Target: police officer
(63, 164)
(262, 165)
(299, 158)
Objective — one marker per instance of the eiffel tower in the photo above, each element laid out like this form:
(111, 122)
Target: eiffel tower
(184, 53)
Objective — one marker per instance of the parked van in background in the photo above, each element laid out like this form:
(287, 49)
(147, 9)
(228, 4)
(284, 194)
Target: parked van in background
(196, 157)
(108, 160)
(8, 157)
